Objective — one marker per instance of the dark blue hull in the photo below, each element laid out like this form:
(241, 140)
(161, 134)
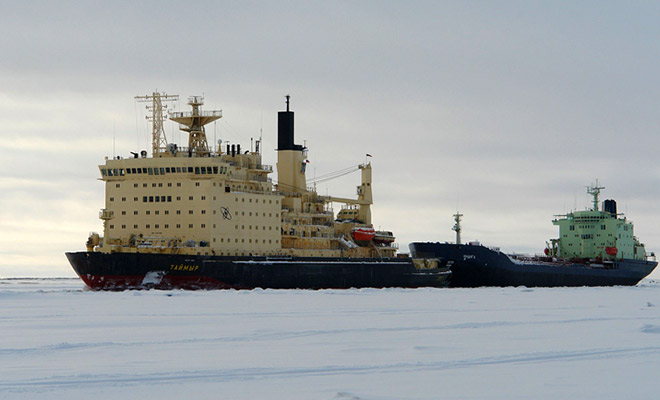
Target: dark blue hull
(474, 266)
(118, 271)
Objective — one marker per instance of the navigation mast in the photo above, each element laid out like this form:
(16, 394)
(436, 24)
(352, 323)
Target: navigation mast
(193, 122)
(457, 226)
(594, 190)
(158, 115)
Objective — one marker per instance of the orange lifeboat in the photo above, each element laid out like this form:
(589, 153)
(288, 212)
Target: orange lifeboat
(363, 234)
(611, 251)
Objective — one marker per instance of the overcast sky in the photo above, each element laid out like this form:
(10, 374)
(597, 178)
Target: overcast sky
(503, 110)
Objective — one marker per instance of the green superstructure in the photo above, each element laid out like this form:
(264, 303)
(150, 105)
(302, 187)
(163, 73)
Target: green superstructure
(595, 234)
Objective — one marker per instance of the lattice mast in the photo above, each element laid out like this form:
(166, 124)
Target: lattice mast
(193, 122)
(157, 117)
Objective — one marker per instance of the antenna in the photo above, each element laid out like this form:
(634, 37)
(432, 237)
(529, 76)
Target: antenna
(113, 140)
(261, 131)
(137, 127)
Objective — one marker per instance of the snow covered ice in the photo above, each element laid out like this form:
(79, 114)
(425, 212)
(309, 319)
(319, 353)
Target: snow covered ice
(60, 341)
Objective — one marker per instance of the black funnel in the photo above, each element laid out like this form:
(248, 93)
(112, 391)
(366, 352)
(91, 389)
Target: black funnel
(285, 129)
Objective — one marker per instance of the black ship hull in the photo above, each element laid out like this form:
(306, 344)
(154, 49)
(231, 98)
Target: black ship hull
(474, 266)
(120, 271)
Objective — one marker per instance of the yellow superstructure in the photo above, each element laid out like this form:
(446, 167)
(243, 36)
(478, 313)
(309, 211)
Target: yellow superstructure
(193, 200)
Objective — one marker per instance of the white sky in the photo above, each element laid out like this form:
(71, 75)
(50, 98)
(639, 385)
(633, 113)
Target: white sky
(506, 110)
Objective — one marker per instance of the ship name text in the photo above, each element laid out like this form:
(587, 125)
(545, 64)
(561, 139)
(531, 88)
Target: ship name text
(183, 267)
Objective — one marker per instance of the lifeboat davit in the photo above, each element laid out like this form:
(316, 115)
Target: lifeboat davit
(611, 251)
(363, 234)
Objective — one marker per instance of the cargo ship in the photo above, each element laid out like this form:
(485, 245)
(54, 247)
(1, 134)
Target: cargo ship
(594, 248)
(201, 218)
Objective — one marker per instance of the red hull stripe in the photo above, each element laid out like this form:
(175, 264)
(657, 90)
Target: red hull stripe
(122, 282)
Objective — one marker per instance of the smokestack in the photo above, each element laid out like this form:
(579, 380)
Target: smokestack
(285, 128)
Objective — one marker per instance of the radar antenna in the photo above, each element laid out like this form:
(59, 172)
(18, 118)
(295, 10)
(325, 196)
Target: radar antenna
(158, 115)
(594, 190)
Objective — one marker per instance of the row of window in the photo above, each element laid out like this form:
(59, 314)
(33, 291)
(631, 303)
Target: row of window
(164, 170)
(256, 228)
(159, 199)
(155, 199)
(589, 235)
(178, 212)
(166, 226)
(228, 189)
(157, 226)
(249, 240)
(164, 199)
(602, 227)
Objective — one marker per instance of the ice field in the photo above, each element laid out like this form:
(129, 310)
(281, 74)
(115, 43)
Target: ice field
(61, 341)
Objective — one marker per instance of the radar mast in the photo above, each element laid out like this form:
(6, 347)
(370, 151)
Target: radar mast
(193, 122)
(457, 226)
(594, 190)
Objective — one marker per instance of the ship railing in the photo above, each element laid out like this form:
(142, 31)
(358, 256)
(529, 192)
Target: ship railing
(392, 245)
(290, 194)
(183, 150)
(260, 178)
(521, 256)
(328, 212)
(106, 214)
(205, 113)
(265, 191)
(317, 238)
(264, 167)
